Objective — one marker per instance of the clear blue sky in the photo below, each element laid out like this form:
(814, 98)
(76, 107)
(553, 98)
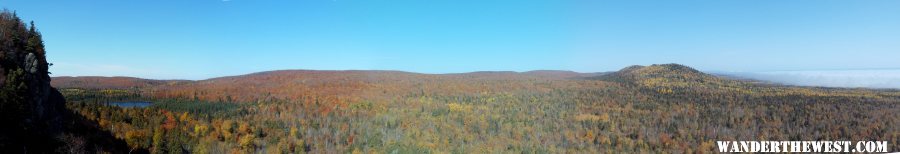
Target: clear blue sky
(198, 39)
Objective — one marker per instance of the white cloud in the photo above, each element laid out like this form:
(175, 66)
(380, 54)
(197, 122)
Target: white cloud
(872, 78)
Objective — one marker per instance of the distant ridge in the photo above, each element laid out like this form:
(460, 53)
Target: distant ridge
(120, 82)
(98, 82)
(672, 72)
(558, 73)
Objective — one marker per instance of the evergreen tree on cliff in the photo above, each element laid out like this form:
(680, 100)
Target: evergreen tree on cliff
(33, 115)
(31, 112)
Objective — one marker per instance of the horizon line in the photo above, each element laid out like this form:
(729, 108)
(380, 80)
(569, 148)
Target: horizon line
(388, 70)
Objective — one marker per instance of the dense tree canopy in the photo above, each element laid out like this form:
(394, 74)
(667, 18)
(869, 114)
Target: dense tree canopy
(667, 108)
(660, 108)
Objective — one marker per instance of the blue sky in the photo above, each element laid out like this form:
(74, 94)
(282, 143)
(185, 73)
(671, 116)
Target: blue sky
(198, 39)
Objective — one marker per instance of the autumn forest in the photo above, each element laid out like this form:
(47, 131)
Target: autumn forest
(660, 108)
(667, 108)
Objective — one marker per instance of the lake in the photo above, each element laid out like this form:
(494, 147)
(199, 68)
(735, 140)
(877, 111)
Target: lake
(138, 104)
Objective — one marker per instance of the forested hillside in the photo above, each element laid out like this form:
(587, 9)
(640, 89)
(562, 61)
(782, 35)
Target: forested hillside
(667, 108)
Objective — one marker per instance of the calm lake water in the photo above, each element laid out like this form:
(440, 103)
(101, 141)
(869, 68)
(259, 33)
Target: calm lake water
(131, 104)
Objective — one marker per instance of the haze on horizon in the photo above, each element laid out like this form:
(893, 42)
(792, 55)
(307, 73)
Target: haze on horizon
(199, 39)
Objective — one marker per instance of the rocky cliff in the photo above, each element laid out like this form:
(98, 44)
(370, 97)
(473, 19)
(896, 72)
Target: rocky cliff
(31, 112)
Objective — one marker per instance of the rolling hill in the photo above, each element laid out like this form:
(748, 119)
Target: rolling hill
(287, 84)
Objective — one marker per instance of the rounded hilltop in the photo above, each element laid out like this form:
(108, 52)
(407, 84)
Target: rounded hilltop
(661, 69)
(655, 71)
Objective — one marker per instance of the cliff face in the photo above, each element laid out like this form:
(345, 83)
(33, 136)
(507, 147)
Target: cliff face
(31, 110)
